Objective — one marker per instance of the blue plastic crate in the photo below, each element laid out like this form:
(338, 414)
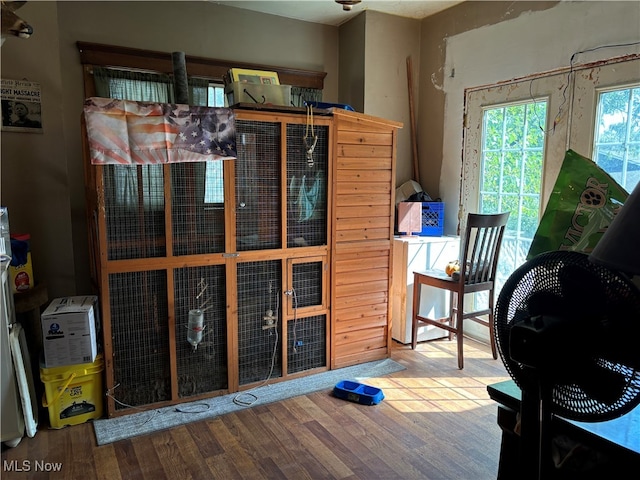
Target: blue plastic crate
(432, 219)
(358, 392)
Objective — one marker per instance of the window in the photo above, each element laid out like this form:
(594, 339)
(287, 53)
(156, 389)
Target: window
(617, 135)
(511, 174)
(214, 178)
(516, 135)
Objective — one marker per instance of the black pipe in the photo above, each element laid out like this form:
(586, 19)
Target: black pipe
(180, 77)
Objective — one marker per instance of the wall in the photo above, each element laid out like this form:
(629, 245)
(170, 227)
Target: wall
(42, 175)
(434, 34)
(538, 39)
(373, 73)
(389, 41)
(35, 183)
(351, 62)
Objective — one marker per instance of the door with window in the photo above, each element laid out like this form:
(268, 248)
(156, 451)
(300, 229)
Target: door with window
(516, 135)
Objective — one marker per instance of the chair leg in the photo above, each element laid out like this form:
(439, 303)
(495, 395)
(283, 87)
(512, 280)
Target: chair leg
(415, 311)
(452, 312)
(459, 329)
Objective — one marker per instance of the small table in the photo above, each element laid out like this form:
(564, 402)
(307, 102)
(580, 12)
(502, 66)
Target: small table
(618, 440)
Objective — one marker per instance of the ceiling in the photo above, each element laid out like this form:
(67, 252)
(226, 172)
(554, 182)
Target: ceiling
(328, 12)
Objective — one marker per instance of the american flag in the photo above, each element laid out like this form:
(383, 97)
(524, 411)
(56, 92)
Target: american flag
(125, 132)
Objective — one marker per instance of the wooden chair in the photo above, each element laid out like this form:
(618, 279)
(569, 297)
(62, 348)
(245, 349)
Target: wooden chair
(480, 249)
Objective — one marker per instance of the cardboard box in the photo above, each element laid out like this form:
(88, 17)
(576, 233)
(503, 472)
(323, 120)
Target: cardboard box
(69, 331)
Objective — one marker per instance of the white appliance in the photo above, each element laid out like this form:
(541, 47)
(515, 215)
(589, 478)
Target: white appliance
(414, 253)
(12, 418)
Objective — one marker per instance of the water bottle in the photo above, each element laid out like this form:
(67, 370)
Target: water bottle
(195, 327)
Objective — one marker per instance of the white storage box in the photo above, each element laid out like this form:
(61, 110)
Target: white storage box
(69, 331)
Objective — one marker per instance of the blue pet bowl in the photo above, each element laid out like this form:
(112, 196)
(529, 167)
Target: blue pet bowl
(358, 392)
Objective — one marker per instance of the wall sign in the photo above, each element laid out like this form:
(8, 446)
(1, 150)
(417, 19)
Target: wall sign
(21, 107)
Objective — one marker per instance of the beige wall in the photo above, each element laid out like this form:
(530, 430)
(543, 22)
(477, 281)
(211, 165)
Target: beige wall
(435, 31)
(42, 175)
(373, 73)
(351, 62)
(389, 41)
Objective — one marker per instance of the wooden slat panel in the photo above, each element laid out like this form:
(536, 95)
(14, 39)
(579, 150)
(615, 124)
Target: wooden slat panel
(356, 260)
(358, 223)
(364, 151)
(345, 312)
(366, 200)
(345, 359)
(350, 249)
(363, 211)
(364, 176)
(355, 329)
(371, 188)
(370, 274)
(366, 299)
(365, 138)
(362, 346)
(372, 337)
(361, 160)
(351, 176)
(362, 234)
(360, 289)
(363, 123)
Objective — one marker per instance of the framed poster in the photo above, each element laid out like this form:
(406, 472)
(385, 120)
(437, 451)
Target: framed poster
(21, 107)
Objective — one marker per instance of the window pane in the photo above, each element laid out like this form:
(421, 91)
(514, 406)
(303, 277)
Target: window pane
(511, 175)
(214, 184)
(617, 135)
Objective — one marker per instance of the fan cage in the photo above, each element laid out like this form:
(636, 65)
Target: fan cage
(604, 303)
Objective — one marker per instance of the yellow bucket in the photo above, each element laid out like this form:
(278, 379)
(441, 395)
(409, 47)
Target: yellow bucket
(73, 393)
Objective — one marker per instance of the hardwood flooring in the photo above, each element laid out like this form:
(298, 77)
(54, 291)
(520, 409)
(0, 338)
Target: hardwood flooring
(436, 422)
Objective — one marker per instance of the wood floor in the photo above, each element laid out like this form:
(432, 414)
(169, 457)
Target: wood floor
(436, 422)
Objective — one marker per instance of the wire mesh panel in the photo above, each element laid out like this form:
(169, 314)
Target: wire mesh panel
(307, 343)
(201, 368)
(197, 207)
(140, 336)
(258, 198)
(307, 185)
(259, 320)
(134, 210)
(307, 284)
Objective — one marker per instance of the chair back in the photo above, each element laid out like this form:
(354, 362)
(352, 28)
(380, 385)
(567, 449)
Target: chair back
(481, 246)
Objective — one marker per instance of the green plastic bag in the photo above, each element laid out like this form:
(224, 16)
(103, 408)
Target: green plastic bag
(583, 203)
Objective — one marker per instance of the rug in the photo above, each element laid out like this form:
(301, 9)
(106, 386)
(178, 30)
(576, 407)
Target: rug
(127, 426)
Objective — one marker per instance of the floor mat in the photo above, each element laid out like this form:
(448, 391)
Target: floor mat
(119, 428)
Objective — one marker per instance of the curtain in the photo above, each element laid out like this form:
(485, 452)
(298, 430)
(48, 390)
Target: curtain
(146, 87)
(299, 95)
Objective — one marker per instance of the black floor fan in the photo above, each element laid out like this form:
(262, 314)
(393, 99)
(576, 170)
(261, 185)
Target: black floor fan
(567, 331)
